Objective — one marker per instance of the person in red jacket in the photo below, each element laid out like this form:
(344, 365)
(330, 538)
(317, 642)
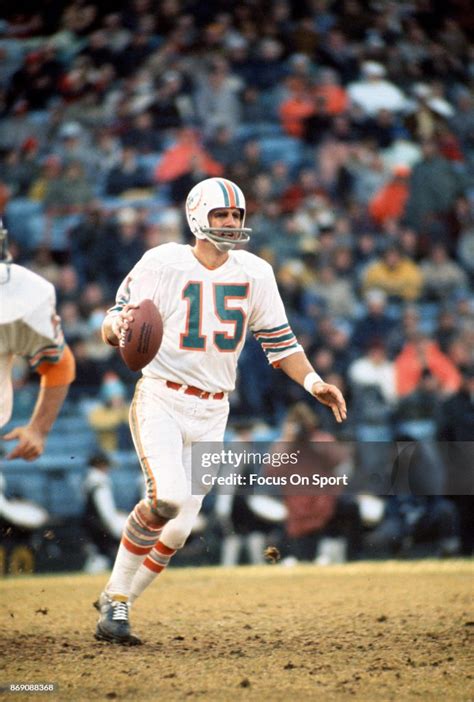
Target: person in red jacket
(422, 353)
(389, 202)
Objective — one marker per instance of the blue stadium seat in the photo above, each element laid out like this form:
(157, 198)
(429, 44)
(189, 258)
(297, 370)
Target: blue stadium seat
(20, 214)
(281, 148)
(258, 131)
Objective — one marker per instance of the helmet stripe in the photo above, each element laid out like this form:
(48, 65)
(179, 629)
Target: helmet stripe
(236, 194)
(230, 200)
(224, 192)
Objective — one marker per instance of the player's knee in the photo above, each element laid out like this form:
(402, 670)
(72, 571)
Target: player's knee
(167, 507)
(150, 515)
(176, 536)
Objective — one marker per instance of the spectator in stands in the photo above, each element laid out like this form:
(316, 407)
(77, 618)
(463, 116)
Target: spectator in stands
(398, 276)
(74, 147)
(372, 92)
(20, 167)
(124, 243)
(389, 202)
(297, 107)
(375, 370)
(420, 354)
(375, 324)
(90, 243)
(435, 184)
(184, 163)
(128, 175)
(109, 418)
(68, 285)
(142, 135)
(417, 412)
(101, 520)
(447, 328)
(35, 82)
(69, 192)
(43, 264)
(74, 326)
(49, 173)
(405, 330)
(442, 277)
(318, 525)
(217, 99)
(172, 106)
(337, 293)
(223, 147)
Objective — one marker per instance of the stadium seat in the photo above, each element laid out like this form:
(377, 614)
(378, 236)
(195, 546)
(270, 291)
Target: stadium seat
(281, 148)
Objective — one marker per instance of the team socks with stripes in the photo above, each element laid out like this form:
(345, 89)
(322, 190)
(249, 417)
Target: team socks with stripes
(154, 563)
(138, 540)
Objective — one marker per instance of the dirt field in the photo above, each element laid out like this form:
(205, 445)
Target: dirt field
(391, 631)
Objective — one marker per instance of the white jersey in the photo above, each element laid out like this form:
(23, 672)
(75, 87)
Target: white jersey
(29, 326)
(206, 314)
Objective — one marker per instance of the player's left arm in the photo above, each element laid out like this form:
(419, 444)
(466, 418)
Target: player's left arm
(298, 368)
(55, 381)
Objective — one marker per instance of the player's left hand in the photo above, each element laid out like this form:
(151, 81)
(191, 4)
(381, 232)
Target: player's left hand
(331, 396)
(30, 443)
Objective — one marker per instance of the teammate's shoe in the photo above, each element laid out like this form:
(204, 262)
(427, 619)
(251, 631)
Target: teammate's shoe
(113, 624)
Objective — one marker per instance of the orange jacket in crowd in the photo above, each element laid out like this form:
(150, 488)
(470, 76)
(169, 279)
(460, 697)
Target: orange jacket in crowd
(181, 158)
(293, 113)
(424, 354)
(334, 97)
(389, 202)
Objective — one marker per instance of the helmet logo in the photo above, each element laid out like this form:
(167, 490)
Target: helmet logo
(194, 198)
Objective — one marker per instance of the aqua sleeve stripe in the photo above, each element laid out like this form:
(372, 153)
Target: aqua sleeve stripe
(117, 308)
(271, 331)
(52, 354)
(270, 347)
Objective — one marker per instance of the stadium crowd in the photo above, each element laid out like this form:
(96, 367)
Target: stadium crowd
(348, 125)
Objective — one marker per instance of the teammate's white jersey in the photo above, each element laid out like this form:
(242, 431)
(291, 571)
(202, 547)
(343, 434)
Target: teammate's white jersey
(29, 326)
(206, 313)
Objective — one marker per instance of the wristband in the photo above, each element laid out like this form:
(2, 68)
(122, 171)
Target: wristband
(310, 380)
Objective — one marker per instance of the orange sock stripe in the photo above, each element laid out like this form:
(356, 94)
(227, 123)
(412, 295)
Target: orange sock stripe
(151, 565)
(137, 550)
(165, 550)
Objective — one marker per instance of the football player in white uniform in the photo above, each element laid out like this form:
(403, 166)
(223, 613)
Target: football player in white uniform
(30, 327)
(208, 296)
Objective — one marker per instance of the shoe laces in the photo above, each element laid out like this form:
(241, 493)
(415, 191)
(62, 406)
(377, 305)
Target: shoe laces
(120, 611)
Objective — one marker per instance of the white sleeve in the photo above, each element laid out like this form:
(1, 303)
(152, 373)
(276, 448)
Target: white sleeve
(140, 284)
(269, 323)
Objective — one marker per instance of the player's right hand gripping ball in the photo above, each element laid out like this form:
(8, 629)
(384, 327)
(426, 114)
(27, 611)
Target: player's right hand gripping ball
(140, 344)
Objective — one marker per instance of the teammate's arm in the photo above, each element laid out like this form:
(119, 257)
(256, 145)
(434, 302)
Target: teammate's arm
(298, 368)
(55, 381)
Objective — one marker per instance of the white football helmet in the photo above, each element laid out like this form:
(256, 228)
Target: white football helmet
(212, 194)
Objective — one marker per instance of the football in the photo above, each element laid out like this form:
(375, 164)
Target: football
(143, 339)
